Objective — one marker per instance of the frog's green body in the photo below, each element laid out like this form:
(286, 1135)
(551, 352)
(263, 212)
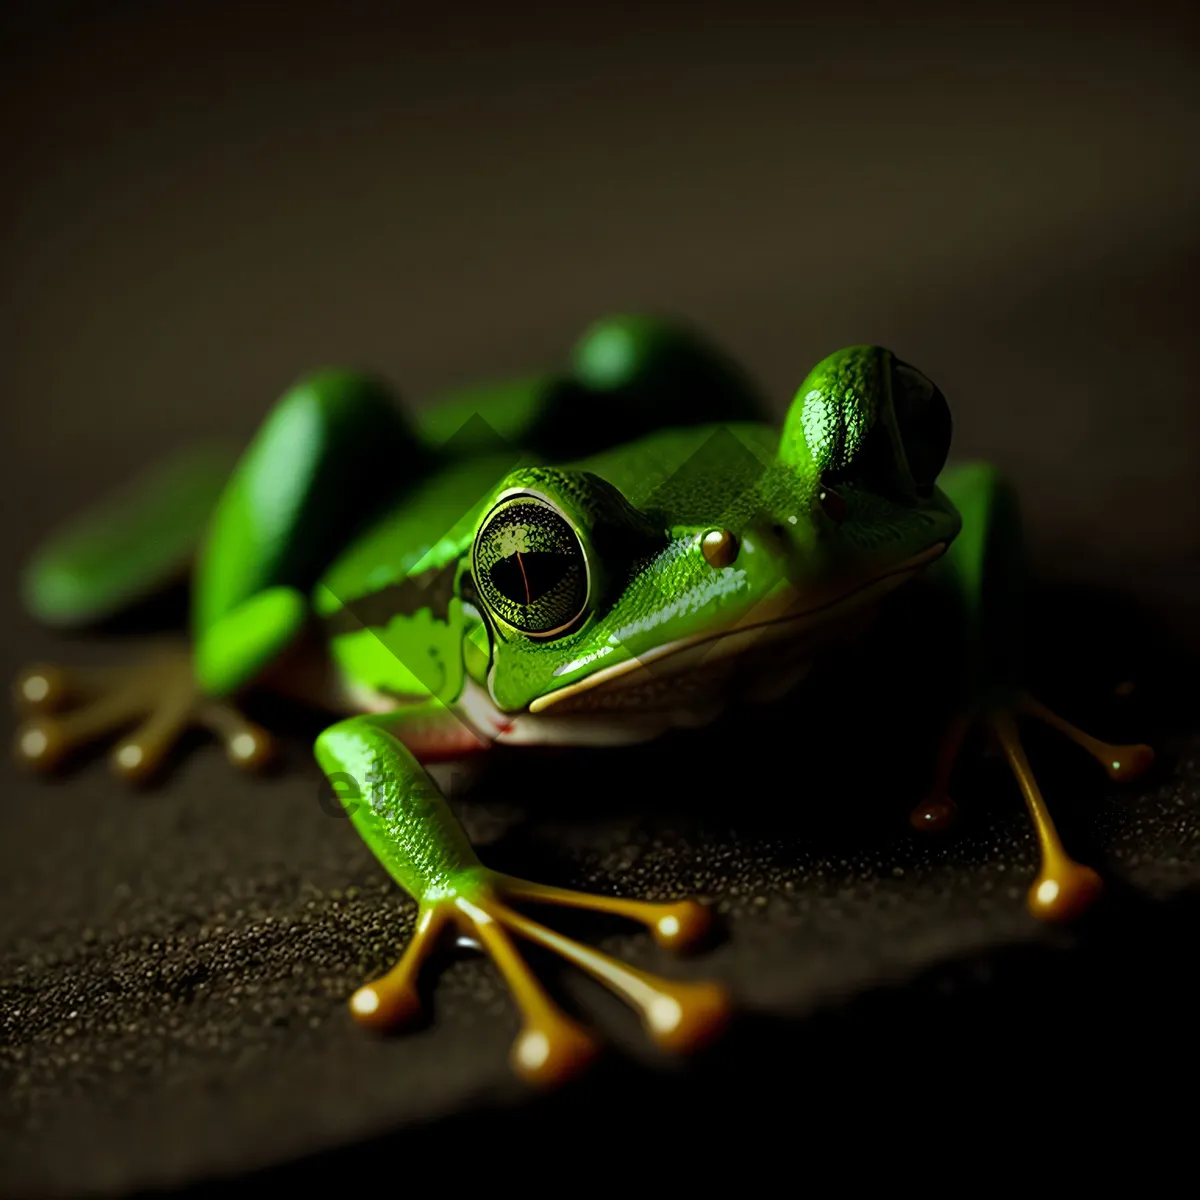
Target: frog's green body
(586, 558)
(401, 631)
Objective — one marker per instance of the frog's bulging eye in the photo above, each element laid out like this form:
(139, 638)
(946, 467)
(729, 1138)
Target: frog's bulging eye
(530, 567)
(923, 418)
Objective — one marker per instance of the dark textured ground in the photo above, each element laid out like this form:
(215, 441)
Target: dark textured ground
(207, 204)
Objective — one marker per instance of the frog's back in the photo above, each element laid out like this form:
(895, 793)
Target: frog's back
(427, 528)
(627, 376)
(691, 471)
(430, 526)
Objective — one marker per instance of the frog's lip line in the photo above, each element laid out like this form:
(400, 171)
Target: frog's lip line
(607, 674)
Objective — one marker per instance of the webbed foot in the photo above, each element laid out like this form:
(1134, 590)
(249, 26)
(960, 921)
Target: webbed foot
(1063, 889)
(66, 709)
(551, 1047)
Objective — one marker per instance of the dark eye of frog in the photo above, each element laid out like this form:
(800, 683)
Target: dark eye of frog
(923, 418)
(530, 567)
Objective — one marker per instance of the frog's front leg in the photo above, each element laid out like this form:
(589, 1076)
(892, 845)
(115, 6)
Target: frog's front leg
(406, 822)
(982, 580)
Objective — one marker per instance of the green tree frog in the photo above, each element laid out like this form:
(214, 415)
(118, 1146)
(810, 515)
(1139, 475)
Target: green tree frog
(588, 557)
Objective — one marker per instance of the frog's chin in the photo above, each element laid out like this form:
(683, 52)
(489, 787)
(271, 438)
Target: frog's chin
(757, 657)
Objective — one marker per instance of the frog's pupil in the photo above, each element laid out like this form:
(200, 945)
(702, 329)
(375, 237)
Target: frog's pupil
(526, 577)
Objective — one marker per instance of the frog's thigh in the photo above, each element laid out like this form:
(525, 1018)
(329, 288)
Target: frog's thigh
(130, 546)
(331, 452)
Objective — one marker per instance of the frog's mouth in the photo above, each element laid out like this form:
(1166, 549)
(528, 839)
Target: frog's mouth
(770, 645)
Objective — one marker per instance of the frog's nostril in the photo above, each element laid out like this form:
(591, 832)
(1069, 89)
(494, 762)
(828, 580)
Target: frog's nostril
(720, 548)
(833, 505)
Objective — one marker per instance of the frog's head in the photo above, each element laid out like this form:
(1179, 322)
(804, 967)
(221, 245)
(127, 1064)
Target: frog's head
(670, 571)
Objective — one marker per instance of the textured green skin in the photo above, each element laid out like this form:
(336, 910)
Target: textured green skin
(397, 809)
(339, 509)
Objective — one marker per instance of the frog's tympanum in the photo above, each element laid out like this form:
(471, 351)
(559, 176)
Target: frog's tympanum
(590, 557)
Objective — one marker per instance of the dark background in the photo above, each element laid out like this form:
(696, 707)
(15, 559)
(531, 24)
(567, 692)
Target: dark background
(202, 201)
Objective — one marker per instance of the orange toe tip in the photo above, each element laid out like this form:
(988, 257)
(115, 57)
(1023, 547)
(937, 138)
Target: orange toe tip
(251, 750)
(1128, 762)
(1065, 895)
(935, 816)
(375, 1007)
(132, 762)
(687, 1017)
(40, 745)
(38, 688)
(682, 925)
(551, 1055)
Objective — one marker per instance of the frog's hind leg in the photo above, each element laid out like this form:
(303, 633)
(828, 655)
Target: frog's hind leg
(140, 540)
(125, 550)
(982, 579)
(1063, 888)
(332, 451)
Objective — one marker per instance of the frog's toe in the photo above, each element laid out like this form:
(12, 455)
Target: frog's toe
(682, 926)
(248, 746)
(378, 1006)
(392, 1000)
(1064, 891)
(45, 741)
(41, 744)
(551, 1047)
(158, 699)
(549, 1050)
(678, 925)
(1128, 762)
(42, 688)
(1122, 762)
(680, 1016)
(553, 1051)
(935, 814)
